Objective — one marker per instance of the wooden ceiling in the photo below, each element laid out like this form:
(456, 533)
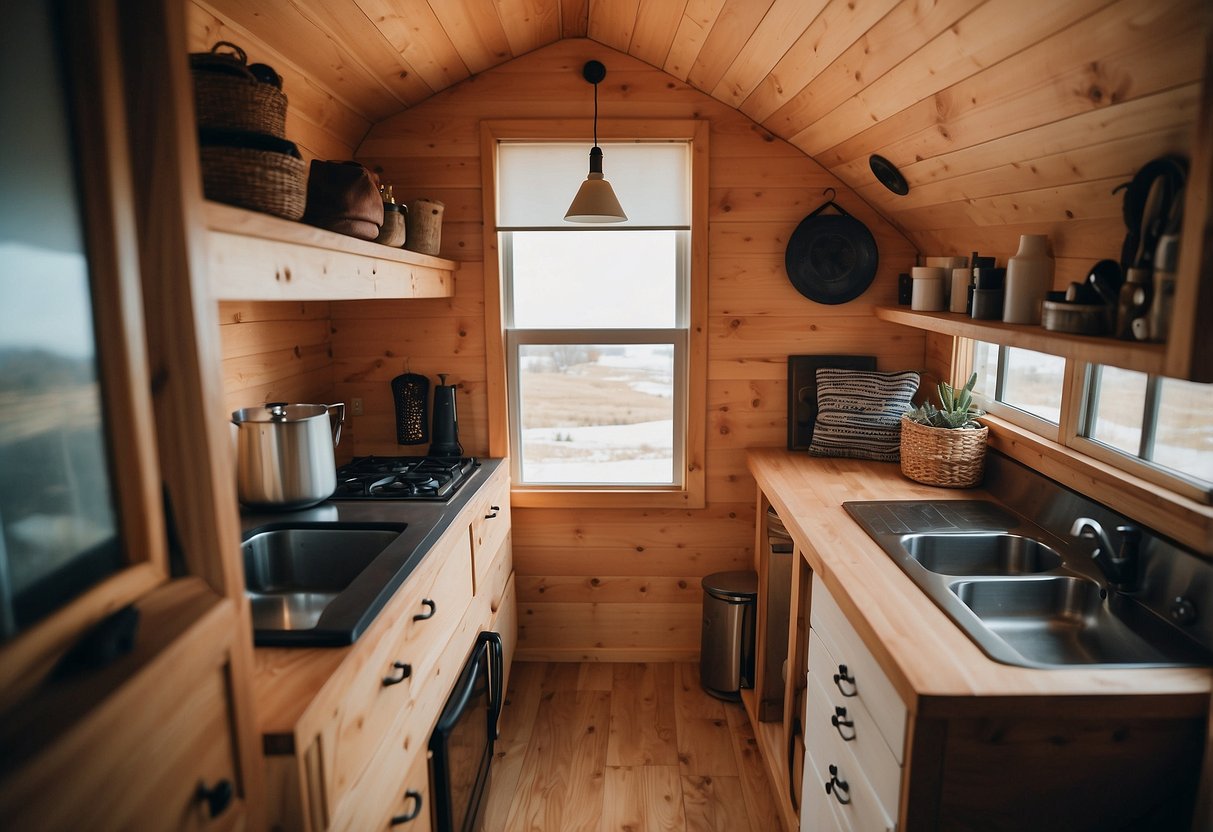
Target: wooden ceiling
(996, 116)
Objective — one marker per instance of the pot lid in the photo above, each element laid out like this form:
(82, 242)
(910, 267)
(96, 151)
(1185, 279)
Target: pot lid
(280, 412)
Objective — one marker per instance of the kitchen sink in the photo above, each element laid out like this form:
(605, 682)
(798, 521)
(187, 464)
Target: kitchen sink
(292, 574)
(981, 554)
(322, 583)
(1023, 595)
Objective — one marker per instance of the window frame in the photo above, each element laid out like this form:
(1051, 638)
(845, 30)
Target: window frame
(692, 447)
(1075, 421)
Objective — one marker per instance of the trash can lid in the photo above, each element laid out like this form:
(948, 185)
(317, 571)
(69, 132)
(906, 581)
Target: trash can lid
(732, 586)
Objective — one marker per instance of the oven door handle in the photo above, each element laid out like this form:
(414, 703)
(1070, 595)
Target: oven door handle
(496, 660)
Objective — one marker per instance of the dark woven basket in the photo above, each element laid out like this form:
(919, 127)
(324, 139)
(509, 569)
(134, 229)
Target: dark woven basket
(260, 180)
(228, 95)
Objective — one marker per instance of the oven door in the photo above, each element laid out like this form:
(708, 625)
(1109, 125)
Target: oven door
(462, 742)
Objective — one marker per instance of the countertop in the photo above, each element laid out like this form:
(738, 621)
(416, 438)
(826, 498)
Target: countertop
(929, 660)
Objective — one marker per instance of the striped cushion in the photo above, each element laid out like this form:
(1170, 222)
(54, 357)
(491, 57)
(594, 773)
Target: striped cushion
(859, 413)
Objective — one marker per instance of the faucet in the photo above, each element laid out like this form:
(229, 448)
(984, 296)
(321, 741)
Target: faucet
(1119, 567)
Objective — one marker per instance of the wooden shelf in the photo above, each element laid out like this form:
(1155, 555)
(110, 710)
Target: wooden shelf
(1131, 355)
(252, 256)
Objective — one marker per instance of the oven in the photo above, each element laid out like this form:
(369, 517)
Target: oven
(461, 746)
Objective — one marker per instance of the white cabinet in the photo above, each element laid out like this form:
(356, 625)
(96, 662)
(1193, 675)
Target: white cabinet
(854, 727)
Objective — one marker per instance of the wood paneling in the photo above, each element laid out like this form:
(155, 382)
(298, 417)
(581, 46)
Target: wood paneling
(607, 581)
(275, 352)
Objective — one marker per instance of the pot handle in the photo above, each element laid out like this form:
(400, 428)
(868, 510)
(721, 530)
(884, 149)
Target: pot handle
(340, 421)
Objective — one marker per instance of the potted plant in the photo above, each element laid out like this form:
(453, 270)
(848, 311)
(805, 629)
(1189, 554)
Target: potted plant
(945, 445)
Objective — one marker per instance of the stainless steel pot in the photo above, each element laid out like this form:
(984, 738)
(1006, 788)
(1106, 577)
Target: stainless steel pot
(284, 454)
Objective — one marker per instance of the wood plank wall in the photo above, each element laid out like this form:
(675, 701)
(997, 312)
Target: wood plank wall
(619, 583)
(275, 352)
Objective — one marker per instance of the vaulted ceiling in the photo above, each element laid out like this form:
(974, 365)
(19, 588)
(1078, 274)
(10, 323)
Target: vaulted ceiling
(999, 112)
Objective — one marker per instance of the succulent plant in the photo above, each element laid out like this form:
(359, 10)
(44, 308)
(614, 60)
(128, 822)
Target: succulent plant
(955, 409)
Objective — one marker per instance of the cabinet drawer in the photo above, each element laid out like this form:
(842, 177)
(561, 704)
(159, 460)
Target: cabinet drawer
(860, 676)
(439, 591)
(831, 762)
(490, 527)
(860, 738)
(395, 786)
(819, 812)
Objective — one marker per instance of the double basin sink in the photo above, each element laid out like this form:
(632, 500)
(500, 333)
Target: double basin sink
(1024, 596)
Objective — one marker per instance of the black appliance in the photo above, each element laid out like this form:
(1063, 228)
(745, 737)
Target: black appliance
(446, 424)
(461, 746)
(402, 478)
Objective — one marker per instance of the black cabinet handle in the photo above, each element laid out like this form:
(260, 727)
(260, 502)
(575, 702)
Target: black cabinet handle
(840, 722)
(842, 676)
(838, 788)
(433, 608)
(405, 671)
(405, 818)
(217, 797)
(494, 510)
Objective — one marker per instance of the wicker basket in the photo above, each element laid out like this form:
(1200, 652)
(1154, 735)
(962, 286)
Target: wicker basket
(947, 457)
(261, 180)
(229, 95)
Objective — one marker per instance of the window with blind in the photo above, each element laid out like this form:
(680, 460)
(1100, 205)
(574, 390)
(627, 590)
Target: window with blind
(596, 317)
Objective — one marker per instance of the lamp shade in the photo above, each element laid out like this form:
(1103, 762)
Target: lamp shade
(595, 202)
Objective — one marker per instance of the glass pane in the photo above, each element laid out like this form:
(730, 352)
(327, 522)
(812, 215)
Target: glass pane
(1034, 383)
(595, 279)
(985, 364)
(1183, 438)
(1119, 409)
(59, 532)
(537, 182)
(596, 413)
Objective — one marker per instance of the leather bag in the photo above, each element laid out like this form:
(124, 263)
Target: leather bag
(344, 197)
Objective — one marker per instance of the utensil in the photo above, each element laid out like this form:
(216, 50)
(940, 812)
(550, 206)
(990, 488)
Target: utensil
(284, 454)
(831, 258)
(410, 393)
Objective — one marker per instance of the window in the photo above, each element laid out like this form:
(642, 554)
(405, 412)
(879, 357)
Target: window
(1020, 385)
(1153, 422)
(1155, 428)
(597, 323)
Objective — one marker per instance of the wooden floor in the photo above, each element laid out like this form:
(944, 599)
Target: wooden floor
(601, 747)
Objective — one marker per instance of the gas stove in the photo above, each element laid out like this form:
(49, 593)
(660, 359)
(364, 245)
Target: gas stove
(402, 478)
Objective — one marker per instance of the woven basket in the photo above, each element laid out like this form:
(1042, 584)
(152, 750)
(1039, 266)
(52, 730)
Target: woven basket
(228, 94)
(947, 457)
(261, 180)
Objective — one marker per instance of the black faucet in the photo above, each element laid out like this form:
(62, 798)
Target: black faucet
(1119, 567)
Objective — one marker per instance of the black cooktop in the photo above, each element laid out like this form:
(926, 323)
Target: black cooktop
(402, 478)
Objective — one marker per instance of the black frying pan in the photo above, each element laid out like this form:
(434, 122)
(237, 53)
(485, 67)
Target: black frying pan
(831, 258)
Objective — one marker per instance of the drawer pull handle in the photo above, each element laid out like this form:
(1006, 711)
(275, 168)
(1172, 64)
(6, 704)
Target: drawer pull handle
(839, 721)
(433, 608)
(838, 788)
(842, 676)
(217, 797)
(407, 816)
(494, 510)
(405, 671)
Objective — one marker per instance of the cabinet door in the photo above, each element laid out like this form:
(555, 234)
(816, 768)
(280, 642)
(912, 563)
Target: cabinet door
(155, 750)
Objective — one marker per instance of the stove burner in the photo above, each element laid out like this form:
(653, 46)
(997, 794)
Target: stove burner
(402, 478)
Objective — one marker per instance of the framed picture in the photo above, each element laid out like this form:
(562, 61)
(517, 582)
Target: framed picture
(802, 391)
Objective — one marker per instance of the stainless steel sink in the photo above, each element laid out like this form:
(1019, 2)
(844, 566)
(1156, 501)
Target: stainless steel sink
(1024, 596)
(322, 583)
(981, 554)
(291, 575)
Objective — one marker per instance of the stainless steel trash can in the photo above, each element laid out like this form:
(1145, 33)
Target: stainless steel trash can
(726, 651)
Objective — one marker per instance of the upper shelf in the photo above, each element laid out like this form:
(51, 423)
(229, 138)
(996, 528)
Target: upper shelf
(253, 256)
(1131, 355)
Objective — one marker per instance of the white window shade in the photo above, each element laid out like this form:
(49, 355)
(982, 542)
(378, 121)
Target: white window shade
(537, 181)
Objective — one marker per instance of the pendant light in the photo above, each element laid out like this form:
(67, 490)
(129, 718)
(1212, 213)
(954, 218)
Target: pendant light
(595, 200)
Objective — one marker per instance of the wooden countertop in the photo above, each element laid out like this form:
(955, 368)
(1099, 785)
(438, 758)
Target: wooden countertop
(930, 660)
